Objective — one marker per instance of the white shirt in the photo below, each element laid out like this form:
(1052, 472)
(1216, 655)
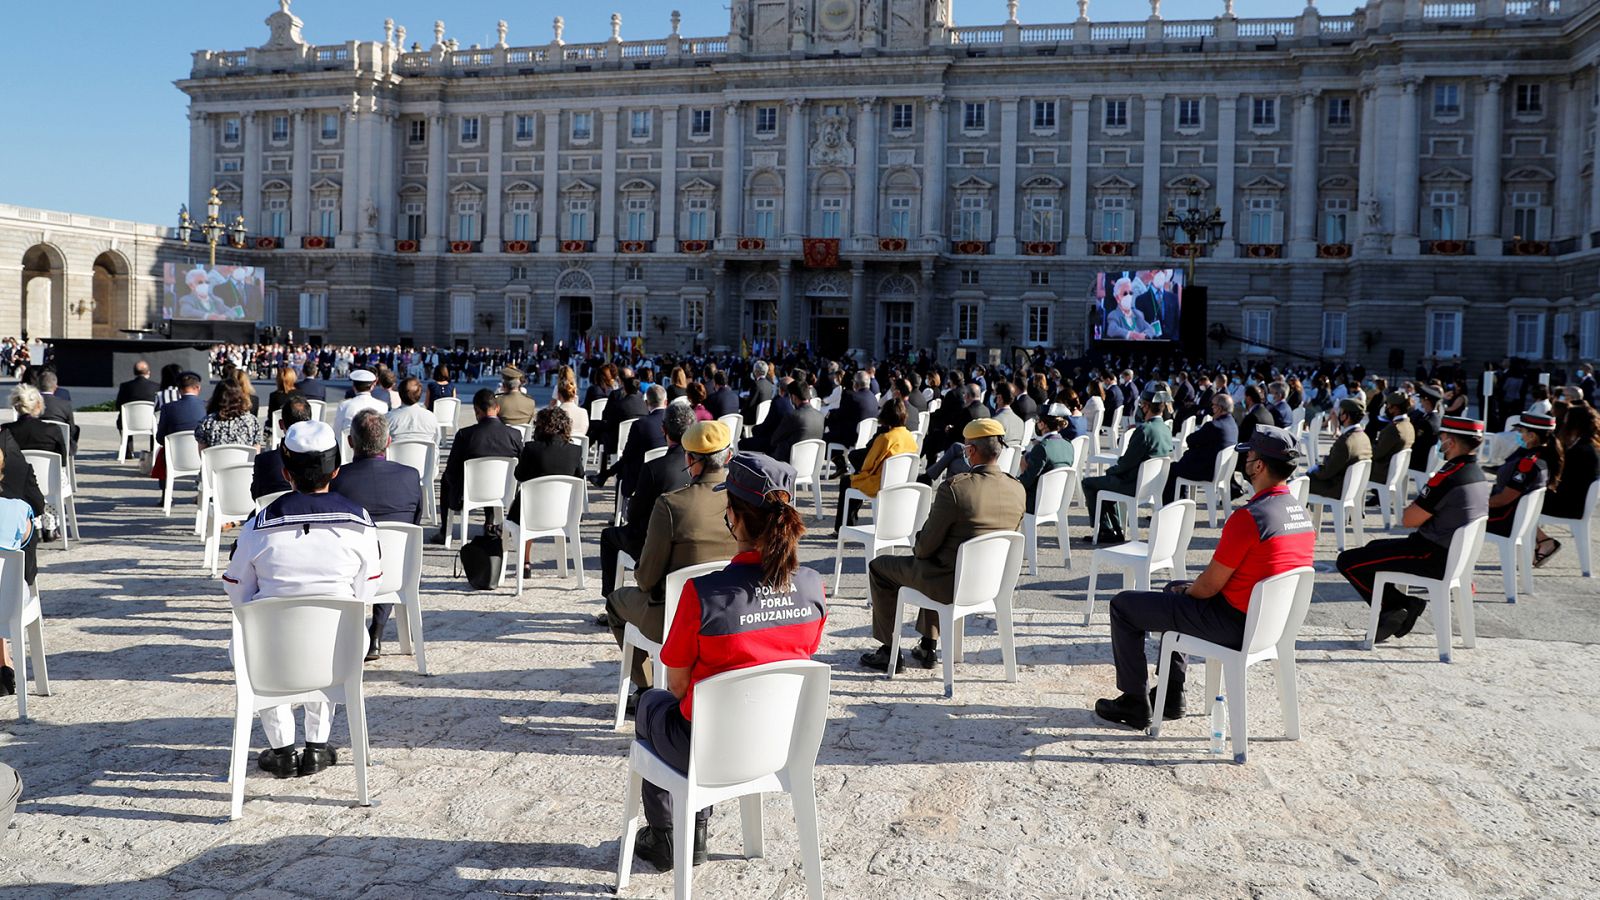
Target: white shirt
(305, 545)
(348, 409)
(415, 422)
(580, 419)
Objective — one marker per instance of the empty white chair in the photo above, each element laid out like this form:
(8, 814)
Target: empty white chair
(49, 471)
(180, 454)
(634, 639)
(1392, 490)
(1149, 483)
(400, 546)
(597, 409)
(1350, 507)
(486, 482)
(756, 730)
(71, 460)
(735, 423)
(1579, 527)
(230, 502)
(1113, 425)
(1010, 460)
(762, 409)
(1180, 441)
(1516, 550)
(317, 408)
(624, 431)
(298, 650)
(902, 509)
(1277, 608)
(423, 456)
(1052, 498)
(1455, 586)
(211, 459)
(138, 421)
(1171, 529)
(986, 573)
(446, 410)
(551, 506)
(1312, 439)
(1219, 490)
(22, 623)
(1104, 460)
(807, 458)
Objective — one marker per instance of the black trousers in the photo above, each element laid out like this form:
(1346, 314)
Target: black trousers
(1135, 614)
(380, 619)
(660, 723)
(614, 540)
(1413, 554)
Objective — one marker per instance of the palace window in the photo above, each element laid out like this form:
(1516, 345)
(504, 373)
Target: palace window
(461, 313)
(314, 311)
(230, 130)
(764, 217)
(517, 314)
(641, 220)
(1264, 112)
(831, 223)
(330, 126)
(972, 218)
(639, 124)
(969, 322)
(411, 227)
(697, 219)
(582, 127)
(1336, 220)
(633, 316)
(328, 215)
(902, 117)
(1036, 330)
(1333, 329)
(1264, 225)
(1257, 330)
(974, 116)
(1044, 219)
(1530, 218)
(1115, 219)
(578, 219)
(694, 315)
(522, 219)
(406, 313)
(1339, 115)
(766, 120)
(1189, 112)
(700, 123)
(1446, 218)
(1530, 100)
(522, 128)
(1526, 339)
(1444, 333)
(900, 217)
(1044, 115)
(469, 129)
(280, 129)
(971, 277)
(1116, 113)
(417, 132)
(1446, 100)
(467, 219)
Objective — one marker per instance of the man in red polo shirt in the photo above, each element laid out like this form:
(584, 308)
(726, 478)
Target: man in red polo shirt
(1269, 535)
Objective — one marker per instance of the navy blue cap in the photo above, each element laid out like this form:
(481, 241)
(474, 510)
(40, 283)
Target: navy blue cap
(1272, 442)
(752, 475)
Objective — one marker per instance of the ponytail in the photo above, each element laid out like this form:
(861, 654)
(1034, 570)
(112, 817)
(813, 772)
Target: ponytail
(776, 529)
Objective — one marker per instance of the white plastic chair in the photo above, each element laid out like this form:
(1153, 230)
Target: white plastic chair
(317, 408)
(71, 460)
(897, 469)
(735, 423)
(1579, 527)
(446, 410)
(138, 420)
(1052, 499)
(180, 454)
(762, 409)
(525, 429)
(986, 573)
(266, 500)
(1392, 491)
(1106, 460)
(1149, 483)
(551, 506)
(22, 623)
(634, 639)
(1112, 425)
(212, 459)
(1171, 529)
(807, 458)
(1349, 508)
(486, 482)
(1300, 488)
(230, 502)
(1419, 480)
(1455, 586)
(400, 545)
(624, 430)
(1516, 551)
(902, 510)
(298, 650)
(756, 730)
(423, 456)
(1277, 609)
(57, 490)
(1219, 490)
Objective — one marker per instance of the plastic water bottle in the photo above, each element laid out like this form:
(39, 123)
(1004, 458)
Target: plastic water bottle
(1219, 743)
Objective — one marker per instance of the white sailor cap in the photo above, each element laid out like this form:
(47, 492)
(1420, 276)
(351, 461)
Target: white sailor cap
(362, 376)
(310, 437)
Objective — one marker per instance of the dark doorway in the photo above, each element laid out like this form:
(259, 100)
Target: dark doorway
(833, 336)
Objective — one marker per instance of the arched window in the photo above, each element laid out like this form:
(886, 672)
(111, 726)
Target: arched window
(1041, 198)
(699, 221)
(467, 201)
(833, 206)
(325, 208)
(766, 204)
(413, 209)
(274, 210)
(521, 212)
(578, 206)
(900, 192)
(638, 210)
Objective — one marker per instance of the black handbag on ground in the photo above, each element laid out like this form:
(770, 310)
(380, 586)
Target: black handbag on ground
(481, 560)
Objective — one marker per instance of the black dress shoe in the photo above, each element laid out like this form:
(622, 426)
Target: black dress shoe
(8, 681)
(437, 537)
(1132, 710)
(702, 830)
(926, 657)
(374, 649)
(1174, 708)
(878, 660)
(603, 620)
(1413, 612)
(1390, 623)
(279, 763)
(654, 846)
(631, 705)
(315, 759)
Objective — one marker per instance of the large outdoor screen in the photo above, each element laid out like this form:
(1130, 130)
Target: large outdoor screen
(1137, 306)
(222, 294)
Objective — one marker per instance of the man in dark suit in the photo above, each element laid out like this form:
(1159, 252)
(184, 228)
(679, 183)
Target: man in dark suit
(388, 491)
(1255, 414)
(646, 434)
(1426, 421)
(1278, 404)
(17, 483)
(1023, 405)
(488, 437)
(761, 436)
(56, 407)
(310, 387)
(761, 390)
(268, 477)
(723, 401)
(184, 413)
(659, 476)
(1129, 392)
(802, 423)
(1160, 306)
(623, 405)
(1199, 460)
(855, 406)
(138, 389)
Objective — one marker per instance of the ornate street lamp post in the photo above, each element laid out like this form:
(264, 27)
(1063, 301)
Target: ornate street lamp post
(1192, 233)
(213, 230)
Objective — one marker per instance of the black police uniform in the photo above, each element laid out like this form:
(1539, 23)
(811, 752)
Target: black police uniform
(1523, 471)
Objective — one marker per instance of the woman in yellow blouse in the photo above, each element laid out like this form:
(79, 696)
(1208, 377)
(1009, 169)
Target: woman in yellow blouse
(892, 438)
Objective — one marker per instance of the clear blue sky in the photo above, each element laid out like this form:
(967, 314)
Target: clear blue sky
(97, 127)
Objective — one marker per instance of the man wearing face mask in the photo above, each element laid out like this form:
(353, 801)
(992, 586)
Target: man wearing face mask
(1395, 433)
(1159, 306)
(1427, 420)
(1349, 448)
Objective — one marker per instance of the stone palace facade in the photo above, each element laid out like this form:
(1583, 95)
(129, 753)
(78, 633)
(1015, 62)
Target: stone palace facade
(866, 173)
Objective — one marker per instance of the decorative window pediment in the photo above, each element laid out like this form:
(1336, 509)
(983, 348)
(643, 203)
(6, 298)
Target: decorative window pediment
(1114, 183)
(574, 280)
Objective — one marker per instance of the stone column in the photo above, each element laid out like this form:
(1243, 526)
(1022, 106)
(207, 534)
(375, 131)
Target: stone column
(438, 178)
(300, 195)
(1366, 179)
(251, 205)
(202, 166)
(1078, 181)
(1406, 242)
(926, 315)
(785, 324)
(732, 224)
(1005, 243)
(858, 306)
(866, 201)
(606, 241)
(1567, 202)
(1484, 228)
(1303, 193)
(388, 139)
(934, 190)
(667, 199)
(1150, 189)
(1594, 183)
(375, 133)
(550, 194)
(1227, 159)
(350, 176)
(496, 192)
(794, 173)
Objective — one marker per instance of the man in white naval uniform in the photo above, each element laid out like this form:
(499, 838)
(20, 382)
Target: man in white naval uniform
(309, 543)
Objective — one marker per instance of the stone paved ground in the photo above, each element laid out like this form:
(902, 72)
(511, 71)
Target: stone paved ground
(501, 776)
